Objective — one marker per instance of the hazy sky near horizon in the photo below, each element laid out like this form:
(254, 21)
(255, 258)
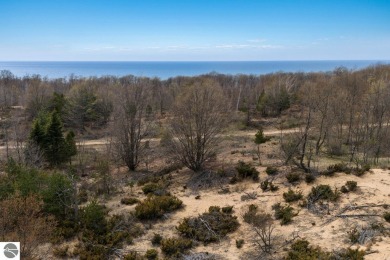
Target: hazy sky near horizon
(199, 30)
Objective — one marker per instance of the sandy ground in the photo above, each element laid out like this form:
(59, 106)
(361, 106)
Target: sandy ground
(330, 231)
(326, 230)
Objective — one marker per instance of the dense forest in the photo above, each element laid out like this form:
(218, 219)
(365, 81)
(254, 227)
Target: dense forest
(71, 146)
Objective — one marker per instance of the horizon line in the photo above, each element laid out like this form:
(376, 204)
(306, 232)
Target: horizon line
(379, 60)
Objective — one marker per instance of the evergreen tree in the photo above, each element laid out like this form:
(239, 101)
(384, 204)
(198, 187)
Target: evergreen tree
(260, 139)
(47, 134)
(54, 140)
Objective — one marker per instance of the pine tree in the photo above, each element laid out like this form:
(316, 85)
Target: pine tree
(54, 144)
(260, 139)
(47, 134)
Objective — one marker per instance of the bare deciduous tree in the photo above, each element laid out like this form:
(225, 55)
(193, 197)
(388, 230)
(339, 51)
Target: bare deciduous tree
(130, 126)
(199, 117)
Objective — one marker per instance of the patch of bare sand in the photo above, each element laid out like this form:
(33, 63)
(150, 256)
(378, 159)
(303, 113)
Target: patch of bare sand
(326, 230)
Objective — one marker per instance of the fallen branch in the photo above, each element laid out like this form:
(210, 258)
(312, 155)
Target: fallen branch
(208, 227)
(357, 215)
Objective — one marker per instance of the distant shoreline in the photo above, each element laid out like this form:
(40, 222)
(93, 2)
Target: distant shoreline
(169, 69)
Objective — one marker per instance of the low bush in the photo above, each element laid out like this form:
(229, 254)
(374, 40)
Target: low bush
(322, 192)
(344, 189)
(214, 209)
(227, 209)
(246, 170)
(309, 178)
(293, 177)
(149, 179)
(301, 249)
(351, 185)
(386, 216)
(100, 244)
(268, 185)
(129, 201)
(93, 217)
(154, 188)
(342, 167)
(338, 167)
(239, 243)
(208, 227)
(151, 254)
(291, 196)
(255, 218)
(175, 246)
(156, 239)
(250, 213)
(284, 213)
(155, 207)
(350, 254)
(271, 170)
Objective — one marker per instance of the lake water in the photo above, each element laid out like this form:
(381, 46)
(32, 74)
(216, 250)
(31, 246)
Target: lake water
(166, 70)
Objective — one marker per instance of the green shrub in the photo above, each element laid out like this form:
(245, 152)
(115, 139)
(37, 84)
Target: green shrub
(344, 189)
(271, 170)
(250, 214)
(98, 240)
(93, 217)
(128, 225)
(351, 254)
(246, 170)
(175, 246)
(293, 177)
(284, 213)
(268, 185)
(309, 178)
(148, 179)
(129, 201)
(151, 254)
(156, 239)
(338, 167)
(323, 192)
(264, 185)
(386, 216)
(227, 209)
(208, 227)
(351, 185)
(342, 167)
(153, 188)
(301, 250)
(239, 243)
(214, 209)
(66, 229)
(155, 207)
(255, 218)
(366, 167)
(291, 196)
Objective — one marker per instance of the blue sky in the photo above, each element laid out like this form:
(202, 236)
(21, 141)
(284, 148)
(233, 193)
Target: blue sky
(146, 30)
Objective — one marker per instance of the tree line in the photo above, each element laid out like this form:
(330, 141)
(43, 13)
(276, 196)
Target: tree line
(338, 112)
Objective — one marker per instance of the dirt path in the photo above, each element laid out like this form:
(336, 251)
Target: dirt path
(105, 141)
